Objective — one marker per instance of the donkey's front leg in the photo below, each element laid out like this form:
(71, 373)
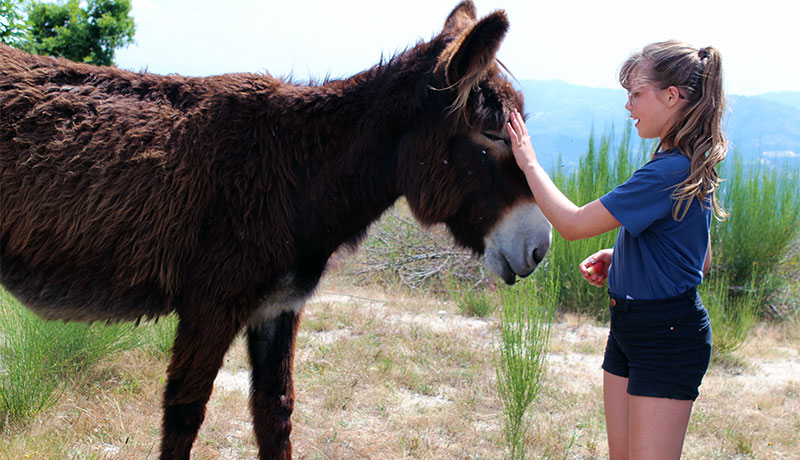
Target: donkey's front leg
(197, 355)
(271, 346)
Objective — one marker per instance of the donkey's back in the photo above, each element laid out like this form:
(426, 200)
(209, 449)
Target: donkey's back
(102, 193)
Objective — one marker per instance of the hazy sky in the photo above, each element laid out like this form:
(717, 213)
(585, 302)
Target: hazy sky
(579, 41)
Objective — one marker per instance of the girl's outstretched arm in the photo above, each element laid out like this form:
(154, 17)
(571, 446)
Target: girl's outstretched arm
(571, 222)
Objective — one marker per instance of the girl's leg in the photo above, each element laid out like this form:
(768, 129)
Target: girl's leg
(657, 427)
(615, 400)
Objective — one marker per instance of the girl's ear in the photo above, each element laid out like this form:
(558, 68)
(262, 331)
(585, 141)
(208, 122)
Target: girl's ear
(672, 96)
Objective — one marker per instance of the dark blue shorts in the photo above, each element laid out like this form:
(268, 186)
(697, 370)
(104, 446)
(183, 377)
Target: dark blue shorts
(662, 346)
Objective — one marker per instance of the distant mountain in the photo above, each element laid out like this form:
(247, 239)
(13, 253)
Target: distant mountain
(760, 126)
(561, 117)
(784, 97)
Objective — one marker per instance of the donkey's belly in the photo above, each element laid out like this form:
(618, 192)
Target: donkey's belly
(86, 296)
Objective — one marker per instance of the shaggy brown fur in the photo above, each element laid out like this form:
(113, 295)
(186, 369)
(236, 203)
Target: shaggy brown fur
(127, 194)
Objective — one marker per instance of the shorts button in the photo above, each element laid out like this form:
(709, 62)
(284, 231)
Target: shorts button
(613, 303)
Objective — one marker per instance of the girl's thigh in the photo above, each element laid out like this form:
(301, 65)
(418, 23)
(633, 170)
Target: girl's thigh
(657, 427)
(615, 402)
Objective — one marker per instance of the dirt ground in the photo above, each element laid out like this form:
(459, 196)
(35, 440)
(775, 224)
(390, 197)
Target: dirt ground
(387, 376)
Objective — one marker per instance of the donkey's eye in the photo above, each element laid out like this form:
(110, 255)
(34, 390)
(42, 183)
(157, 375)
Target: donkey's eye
(495, 138)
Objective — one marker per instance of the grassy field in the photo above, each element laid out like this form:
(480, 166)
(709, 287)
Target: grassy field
(391, 375)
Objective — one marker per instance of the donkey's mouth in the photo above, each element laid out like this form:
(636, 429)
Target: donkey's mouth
(504, 270)
(500, 265)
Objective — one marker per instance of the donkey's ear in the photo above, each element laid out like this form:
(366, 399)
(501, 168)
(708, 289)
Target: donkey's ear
(461, 18)
(466, 59)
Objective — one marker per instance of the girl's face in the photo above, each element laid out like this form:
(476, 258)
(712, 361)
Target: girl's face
(656, 110)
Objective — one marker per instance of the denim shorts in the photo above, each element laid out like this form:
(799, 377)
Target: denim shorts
(662, 346)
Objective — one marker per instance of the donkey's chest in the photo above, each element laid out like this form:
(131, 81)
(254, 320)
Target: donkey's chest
(286, 296)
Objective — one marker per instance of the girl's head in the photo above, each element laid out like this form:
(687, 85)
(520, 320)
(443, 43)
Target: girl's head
(695, 77)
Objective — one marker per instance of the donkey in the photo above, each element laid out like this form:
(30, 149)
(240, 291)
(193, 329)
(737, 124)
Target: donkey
(126, 195)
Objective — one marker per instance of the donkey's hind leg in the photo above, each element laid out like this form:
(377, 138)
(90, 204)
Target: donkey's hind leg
(271, 346)
(198, 352)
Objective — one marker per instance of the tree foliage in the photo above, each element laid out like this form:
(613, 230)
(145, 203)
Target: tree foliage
(12, 22)
(84, 31)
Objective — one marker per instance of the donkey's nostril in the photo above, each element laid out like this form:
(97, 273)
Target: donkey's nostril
(538, 255)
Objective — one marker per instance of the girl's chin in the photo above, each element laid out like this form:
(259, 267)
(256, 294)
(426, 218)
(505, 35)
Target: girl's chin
(645, 135)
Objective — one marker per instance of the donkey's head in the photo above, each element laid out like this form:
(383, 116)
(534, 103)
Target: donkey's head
(458, 164)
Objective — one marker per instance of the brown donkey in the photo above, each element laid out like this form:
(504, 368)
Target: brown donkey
(126, 195)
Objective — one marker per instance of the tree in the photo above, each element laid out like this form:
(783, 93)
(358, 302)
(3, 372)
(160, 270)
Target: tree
(88, 34)
(12, 22)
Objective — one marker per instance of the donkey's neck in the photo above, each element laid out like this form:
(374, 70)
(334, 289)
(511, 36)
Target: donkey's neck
(347, 136)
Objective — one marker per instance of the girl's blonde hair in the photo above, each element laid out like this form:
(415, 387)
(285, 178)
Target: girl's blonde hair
(697, 134)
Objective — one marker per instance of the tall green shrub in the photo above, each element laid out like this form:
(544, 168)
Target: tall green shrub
(732, 316)
(525, 322)
(764, 221)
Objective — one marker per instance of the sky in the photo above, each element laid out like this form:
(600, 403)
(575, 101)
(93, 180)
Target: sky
(581, 42)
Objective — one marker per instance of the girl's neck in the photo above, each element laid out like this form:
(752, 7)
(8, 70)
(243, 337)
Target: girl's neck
(663, 147)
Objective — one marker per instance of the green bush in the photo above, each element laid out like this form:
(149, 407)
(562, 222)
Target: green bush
(732, 316)
(471, 301)
(525, 322)
(158, 335)
(28, 381)
(37, 357)
(764, 208)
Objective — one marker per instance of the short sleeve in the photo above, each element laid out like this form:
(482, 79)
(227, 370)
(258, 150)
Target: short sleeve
(640, 201)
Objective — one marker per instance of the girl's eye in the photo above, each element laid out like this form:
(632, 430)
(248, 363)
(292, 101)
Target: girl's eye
(634, 94)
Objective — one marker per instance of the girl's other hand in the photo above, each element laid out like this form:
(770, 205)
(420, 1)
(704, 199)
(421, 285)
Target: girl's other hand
(597, 279)
(520, 141)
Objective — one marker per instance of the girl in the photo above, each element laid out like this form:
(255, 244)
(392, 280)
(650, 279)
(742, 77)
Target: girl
(659, 344)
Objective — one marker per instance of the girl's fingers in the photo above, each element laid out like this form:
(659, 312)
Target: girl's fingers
(512, 136)
(520, 124)
(516, 123)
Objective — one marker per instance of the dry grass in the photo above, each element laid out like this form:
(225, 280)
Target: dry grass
(394, 376)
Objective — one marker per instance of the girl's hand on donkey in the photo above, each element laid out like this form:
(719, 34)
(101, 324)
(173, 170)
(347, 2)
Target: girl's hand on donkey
(520, 141)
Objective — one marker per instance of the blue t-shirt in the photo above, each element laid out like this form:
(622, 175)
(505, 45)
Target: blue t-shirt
(656, 256)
